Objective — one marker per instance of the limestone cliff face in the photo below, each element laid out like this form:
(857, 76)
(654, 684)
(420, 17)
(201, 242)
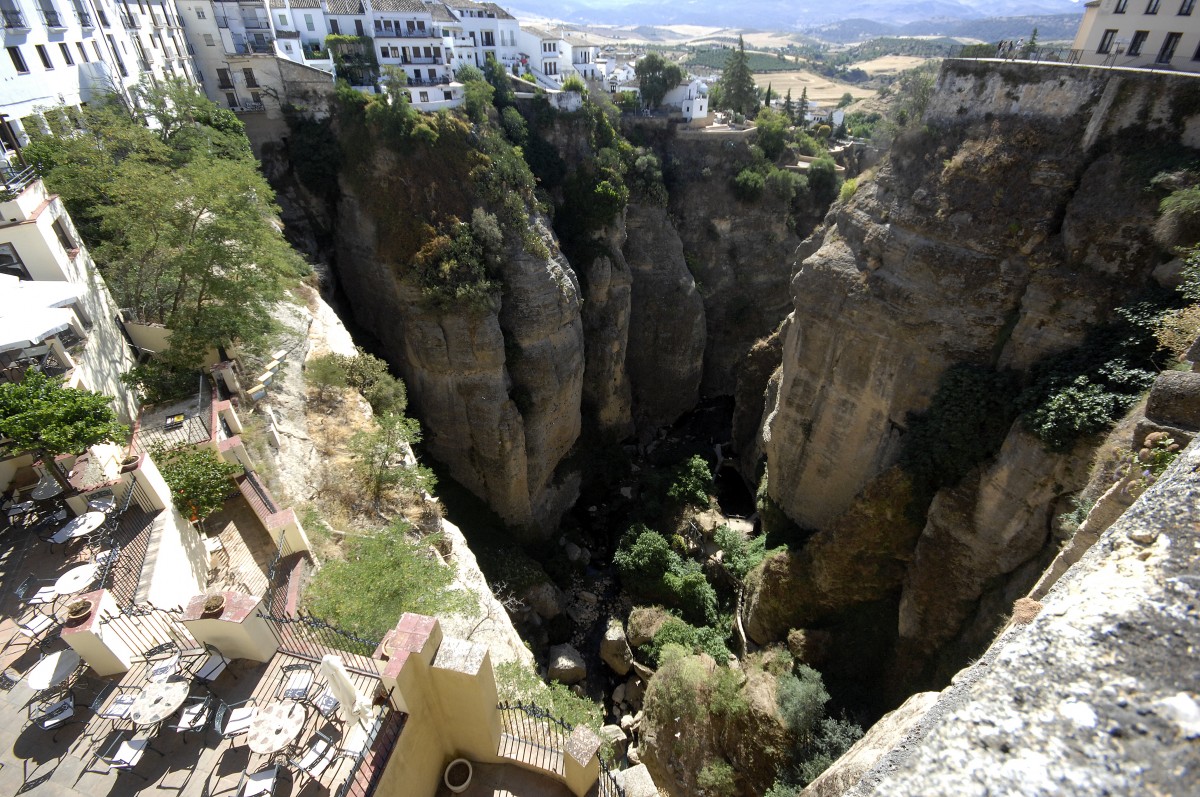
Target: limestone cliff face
(741, 253)
(665, 357)
(497, 391)
(995, 234)
(607, 292)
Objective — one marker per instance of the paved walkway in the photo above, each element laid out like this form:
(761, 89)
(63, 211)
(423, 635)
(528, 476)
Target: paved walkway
(505, 780)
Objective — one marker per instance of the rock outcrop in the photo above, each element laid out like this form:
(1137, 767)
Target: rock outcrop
(995, 234)
(665, 355)
(1097, 694)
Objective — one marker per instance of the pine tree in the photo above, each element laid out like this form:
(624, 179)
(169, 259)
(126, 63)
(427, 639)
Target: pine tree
(738, 82)
(789, 107)
(802, 109)
(767, 99)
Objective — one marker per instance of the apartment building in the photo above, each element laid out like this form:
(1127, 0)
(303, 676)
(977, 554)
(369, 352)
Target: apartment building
(70, 52)
(1144, 34)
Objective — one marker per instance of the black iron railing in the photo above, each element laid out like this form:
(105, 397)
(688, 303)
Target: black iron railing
(535, 736)
(142, 626)
(372, 759)
(1056, 55)
(13, 19)
(311, 638)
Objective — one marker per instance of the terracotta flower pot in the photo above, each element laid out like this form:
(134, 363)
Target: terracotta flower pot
(78, 611)
(214, 605)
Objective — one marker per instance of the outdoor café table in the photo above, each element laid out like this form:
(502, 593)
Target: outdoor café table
(274, 727)
(75, 579)
(157, 701)
(79, 527)
(47, 488)
(52, 670)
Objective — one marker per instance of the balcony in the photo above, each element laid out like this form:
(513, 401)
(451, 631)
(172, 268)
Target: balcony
(222, 21)
(53, 19)
(258, 23)
(405, 59)
(436, 81)
(103, 17)
(398, 33)
(256, 48)
(157, 20)
(131, 20)
(14, 20)
(85, 19)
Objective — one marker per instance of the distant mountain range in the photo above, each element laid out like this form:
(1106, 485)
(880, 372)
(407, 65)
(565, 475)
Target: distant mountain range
(796, 15)
(1051, 27)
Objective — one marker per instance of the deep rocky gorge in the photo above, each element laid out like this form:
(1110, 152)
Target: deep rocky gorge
(998, 231)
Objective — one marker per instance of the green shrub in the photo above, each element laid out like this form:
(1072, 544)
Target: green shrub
(748, 185)
(574, 83)
(786, 184)
(848, 189)
(740, 556)
(802, 698)
(653, 573)
(514, 125)
(691, 483)
(823, 180)
(384, 575)
(515, 682)
(716, 778)
(324, 372)
(693, 639)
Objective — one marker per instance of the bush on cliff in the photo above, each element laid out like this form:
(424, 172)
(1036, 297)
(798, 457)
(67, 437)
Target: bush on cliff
(653, 573)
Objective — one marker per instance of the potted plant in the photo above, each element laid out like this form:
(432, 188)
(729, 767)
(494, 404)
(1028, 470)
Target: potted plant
(78, 611)
(214, 605)
(457, 776)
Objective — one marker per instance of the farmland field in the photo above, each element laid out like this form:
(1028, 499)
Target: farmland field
(820, 88)
(888, 64)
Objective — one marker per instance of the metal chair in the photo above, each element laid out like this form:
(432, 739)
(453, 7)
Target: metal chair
(125, 752)
(53, 712)
(258, 784)
(102, 501)
(195, 714)
(327, 705)
(163, 661)
(206, 664)
(297, 682)
(233, 719)
(318, 755)
(34, 591)
(117, 709)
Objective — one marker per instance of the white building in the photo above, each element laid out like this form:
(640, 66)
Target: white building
(70, 52)
(583, 56)
(689, 98)
(1149, 34)
(541, 53)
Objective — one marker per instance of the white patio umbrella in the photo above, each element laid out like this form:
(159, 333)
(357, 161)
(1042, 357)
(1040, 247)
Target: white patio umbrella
(30, 326)
(354, 706)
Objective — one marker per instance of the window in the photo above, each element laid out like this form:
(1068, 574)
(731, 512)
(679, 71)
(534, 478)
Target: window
(383, 51)
(446, 95)
(251, 81)
(424, 96)
(44, 55)
(283, 20)
(1168, 49)
(308, 22)
(209, 40)
(333, 27)
(1152, 7)
(1120, 9)
(358, 28)
(1185, 8)
(1106, 41)
(66, 54)
(256, 98)
(96, 50)
(230, 98)
(200, 13)
(82, 52)
(1135, 44)
(224, 79)
(64, 234)
(10, 262)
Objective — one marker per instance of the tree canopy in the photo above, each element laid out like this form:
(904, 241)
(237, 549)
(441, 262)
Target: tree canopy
(656, 76)
(40, 414)
(737, 83)
(178, 218)
(198, 478)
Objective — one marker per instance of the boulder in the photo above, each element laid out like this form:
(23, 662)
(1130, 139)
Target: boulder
(1175, 399)
(636, 782)
(635, 689)
(616, 738)
(644, 622)
(614, 649)
(545, 599)
(566, 665)
(809, 646)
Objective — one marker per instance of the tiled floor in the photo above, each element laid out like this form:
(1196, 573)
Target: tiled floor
(248, 548)
(32, 761)
(504, 780)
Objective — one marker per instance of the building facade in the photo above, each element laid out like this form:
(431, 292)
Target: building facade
(1143, 34)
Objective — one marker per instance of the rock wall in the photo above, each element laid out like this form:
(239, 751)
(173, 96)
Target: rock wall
(497, 390)
(995, 233)
(1097, 693)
